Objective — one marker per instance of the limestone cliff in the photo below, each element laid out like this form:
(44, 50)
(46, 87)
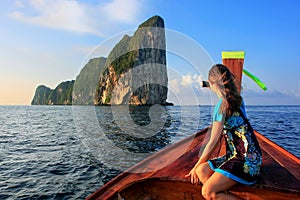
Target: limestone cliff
(87, 81)
(135, 71)
(61, 95)
(41, 95)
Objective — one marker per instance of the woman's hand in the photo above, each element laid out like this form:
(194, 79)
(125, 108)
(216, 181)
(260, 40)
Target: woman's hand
(209, 148)
(194, 177)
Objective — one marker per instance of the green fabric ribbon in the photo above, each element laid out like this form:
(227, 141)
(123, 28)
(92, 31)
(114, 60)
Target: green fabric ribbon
(255, 79)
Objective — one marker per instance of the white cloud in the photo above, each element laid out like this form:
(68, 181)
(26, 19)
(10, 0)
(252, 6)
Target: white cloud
(191, 81)
(186, 80)
(123, 10)
(186, 90)
(72, 15)
(198, 80)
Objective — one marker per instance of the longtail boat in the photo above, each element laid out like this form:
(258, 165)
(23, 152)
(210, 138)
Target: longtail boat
(161, 177)
(280, 177)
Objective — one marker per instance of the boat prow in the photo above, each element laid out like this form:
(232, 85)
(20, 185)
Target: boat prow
(162, 175)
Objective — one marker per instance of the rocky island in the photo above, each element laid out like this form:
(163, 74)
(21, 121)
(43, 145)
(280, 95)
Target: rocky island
(134, 73)
(61, 95)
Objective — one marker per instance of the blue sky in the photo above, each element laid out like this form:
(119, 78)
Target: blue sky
(47, 41)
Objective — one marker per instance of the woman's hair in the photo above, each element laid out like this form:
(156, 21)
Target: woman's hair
(225, 81)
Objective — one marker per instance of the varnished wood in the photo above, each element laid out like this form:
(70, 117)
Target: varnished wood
(279, 180)
(235, 65)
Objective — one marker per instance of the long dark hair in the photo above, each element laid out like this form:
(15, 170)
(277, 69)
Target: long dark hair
(225, 81)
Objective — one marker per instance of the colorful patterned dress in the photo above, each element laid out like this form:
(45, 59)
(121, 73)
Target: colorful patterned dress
(243, 157)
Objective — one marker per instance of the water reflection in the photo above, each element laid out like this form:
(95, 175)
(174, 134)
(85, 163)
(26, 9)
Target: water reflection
(137, 129)
(121, 136)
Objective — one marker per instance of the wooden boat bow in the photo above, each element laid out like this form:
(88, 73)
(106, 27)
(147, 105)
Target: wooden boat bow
(160, 176)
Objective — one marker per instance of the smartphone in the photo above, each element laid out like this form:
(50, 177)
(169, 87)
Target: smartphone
(205, 84)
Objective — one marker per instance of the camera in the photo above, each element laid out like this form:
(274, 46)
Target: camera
(205, 84)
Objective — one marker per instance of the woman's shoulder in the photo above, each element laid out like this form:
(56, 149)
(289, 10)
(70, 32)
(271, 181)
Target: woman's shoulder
(218, 115)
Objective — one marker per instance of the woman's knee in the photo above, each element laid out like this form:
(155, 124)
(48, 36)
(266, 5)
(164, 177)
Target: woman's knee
(216, 185)
(203, 172)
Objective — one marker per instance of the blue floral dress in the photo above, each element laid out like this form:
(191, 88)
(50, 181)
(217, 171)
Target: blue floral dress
(243, 157)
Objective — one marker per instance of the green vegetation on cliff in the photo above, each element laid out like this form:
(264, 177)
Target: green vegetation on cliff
(124, 62)
(87, 81)
(96, 81)
(126, 52)
(41, 95)
(146, 45)
(61, 95)
(120, 58)
(79, 92)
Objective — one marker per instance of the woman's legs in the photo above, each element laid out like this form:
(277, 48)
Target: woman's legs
(216, 185)
(204, 172)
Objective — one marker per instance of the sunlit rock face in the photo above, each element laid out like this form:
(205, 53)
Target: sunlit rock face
(135, 70)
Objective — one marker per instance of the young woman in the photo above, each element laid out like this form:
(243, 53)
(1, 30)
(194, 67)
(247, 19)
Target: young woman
(243, 159)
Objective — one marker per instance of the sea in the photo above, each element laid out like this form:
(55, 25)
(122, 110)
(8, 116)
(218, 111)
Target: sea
(68, 152)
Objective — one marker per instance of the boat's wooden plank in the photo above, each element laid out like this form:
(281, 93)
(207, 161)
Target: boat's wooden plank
(163, 189)
(180, 167)
(280, 155)
(152, 164)
(275, 176)
(157, 189)
(246, 192)
(135, 192)
(170, 154)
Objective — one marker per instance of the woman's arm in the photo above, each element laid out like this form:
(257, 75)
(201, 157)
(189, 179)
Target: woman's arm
(216, 131)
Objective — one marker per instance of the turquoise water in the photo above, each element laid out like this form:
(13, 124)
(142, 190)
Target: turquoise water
(65, 152)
